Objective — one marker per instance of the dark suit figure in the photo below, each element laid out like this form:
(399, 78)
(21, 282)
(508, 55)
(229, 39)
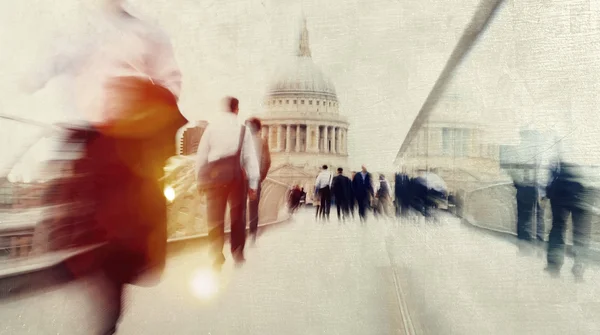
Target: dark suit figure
(341, 188)
(362, 186)
(402, 193)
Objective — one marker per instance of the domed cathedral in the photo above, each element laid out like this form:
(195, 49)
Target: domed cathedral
(302, 121)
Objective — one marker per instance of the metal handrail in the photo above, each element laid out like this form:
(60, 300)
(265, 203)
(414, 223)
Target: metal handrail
(489, 186)
(479, 22)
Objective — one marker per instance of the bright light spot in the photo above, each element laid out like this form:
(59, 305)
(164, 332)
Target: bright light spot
(205, 284)
(169, 193)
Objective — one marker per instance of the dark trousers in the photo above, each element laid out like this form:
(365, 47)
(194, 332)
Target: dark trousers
(539, 215)
(569, 198)
(236, 195)
(526, 202)
(343, 208)
(325, 195)
(363, 204)
(254, 205)
(402, 204)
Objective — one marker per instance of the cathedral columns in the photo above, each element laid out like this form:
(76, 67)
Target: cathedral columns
(309, 139)
(325, 139)
(298, 135)
(337, 140)
(317, 139)
(288, 138)
(279, 137)
(344, 141)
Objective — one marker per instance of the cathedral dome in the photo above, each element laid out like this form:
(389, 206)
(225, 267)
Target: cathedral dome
(301, 75)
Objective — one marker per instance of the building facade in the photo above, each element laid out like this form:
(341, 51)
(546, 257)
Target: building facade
(302, 121)
(191, 139)
(456, 148)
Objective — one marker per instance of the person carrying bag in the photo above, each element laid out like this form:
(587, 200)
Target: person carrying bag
(223, 172)
(227, 173)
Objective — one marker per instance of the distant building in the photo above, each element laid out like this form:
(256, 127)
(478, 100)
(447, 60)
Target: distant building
(191, 138)
(455, 149)
(7, 190)
(303, 122)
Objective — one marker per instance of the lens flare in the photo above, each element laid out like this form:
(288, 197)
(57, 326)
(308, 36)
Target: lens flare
(205, 284)
(170, 193)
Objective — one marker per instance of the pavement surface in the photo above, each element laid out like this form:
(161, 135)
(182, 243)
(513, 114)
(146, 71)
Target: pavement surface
(308, 277)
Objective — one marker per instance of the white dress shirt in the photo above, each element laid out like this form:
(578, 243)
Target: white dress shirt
(113, 46)
(221, 139)
(323, 179)
(258, 146)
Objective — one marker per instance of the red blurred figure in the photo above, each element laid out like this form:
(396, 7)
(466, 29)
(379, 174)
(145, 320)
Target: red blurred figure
(128, 86)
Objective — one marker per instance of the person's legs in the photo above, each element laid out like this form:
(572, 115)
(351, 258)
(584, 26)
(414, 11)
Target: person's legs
(582, 227)
(386, 207)
(237, 206)
(345, 209)
(540, 213)
(216, 205)
(556, 239)
(118, 266)
(323, 199)
(328, 203)
(362, 208)
(525, 205)
(254, 206)
(405, 207)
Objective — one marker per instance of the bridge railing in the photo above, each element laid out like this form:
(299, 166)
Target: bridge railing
(33, 233)
(187, 214)
(494, 207)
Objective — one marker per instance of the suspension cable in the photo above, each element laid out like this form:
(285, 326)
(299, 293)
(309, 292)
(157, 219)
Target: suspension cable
(479, 23)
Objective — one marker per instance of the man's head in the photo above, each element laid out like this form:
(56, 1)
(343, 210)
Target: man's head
(340, 170)
(254, 124)
(233, 105)
(324, 167)
(364, 169)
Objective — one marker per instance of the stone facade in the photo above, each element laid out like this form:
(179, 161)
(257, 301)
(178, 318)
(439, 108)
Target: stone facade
(191, 139)
(302, 121)
(457, 152)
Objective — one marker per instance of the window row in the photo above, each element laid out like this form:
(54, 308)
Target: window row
(302, 102)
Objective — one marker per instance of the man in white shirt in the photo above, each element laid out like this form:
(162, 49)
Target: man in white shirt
(323, 187)
(116, 46)
(220, 140)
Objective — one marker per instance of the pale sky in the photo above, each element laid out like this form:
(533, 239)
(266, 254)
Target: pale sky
(383, 57)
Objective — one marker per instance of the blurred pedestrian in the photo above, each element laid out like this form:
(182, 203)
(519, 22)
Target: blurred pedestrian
(228, 172)
(323, 186)
(384, 197)
(264, 160)
(341, 187)
(362, 186)
(126, 84)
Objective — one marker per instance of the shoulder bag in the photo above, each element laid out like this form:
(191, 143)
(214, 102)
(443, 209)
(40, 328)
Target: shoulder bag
(223, 171)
